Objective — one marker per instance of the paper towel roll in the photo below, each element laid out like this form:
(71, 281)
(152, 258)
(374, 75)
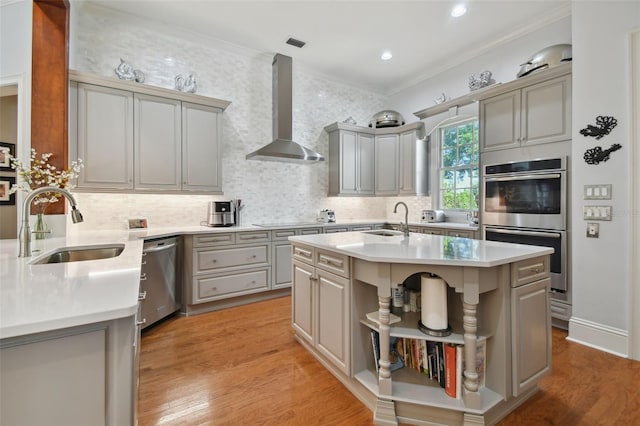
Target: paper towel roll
(434, 302)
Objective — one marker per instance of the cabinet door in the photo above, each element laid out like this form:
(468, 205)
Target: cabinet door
(366, 164)
(386, 164)
(407, 164)
(530, 334)
(281, 265)
(105, 137)
(348, 163)
(201, 148)
(157, 142)
(500, 122)
(333, 319)
(546, 112)
(303, 300)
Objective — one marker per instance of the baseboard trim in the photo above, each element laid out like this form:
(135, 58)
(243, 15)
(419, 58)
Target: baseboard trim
(608, 339)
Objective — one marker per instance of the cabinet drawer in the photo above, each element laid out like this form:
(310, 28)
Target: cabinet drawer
(282, 234)
(415, 229)
(362, 227)
(335, 229)
(231, 285)
(253, 237)
(529, 270)
(214, 239)
(310, 231)
(432, 231)
(207, 260)
(560, 310)
(303, 253)
(460, 234)
(333, 262)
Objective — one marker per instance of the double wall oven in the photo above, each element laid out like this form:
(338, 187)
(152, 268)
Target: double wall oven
(525, 202)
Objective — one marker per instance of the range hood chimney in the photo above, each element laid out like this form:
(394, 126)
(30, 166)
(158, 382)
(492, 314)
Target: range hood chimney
(283, 148)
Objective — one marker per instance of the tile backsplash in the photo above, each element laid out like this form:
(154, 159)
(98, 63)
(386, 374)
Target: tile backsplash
(270, 191)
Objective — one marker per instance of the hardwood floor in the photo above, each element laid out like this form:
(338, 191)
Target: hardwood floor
(242, 366)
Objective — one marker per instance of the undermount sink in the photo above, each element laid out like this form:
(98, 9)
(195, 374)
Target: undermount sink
(78, 254)
(383, 232)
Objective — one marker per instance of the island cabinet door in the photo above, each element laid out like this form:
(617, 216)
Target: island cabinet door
(303, 300)
(333, 319)
(531, 334)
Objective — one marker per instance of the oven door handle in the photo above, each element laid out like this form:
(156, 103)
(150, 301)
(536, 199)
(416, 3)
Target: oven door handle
(527, 233)
(523, 177)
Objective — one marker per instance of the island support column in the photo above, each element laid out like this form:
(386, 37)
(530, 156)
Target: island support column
(470, 300)
(385, 412)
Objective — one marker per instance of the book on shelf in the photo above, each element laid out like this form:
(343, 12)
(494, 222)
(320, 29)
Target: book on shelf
(375, 317)
(450, 374)
(394, 357)
(459, 375)
(440, 358)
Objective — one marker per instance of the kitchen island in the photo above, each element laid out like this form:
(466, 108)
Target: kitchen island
(498, 298)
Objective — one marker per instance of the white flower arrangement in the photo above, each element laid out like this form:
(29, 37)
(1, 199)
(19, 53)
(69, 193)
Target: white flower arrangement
(40, 173)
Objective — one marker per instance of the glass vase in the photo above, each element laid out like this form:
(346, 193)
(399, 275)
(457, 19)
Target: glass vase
(40, 227)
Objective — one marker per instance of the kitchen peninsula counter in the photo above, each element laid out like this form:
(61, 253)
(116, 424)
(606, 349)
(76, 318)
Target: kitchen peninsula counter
(498, 294)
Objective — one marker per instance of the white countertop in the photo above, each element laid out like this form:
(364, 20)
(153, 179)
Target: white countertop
(422, 249)
(39, 298)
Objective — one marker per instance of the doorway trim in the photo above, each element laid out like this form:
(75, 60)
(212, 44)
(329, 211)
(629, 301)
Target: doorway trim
(634, 322)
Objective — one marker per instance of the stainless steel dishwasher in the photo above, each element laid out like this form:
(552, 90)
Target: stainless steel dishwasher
(160, 283)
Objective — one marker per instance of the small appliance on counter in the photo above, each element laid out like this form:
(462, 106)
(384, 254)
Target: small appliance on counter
(326, 216)
(221, 213)
(430, 216)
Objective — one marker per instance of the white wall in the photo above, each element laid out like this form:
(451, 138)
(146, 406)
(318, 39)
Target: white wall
(271, 191)
(503, 62)
(602, 86)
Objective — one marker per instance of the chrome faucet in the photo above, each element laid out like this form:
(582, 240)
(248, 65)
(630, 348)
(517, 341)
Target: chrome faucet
(404, 228)
(25, 229)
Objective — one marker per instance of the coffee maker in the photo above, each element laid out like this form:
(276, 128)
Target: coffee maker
(221, 213)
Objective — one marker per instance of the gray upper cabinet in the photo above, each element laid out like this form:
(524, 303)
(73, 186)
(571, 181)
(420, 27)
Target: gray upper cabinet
(536, 114)
(201, 148)
(351, 163)
(157, 124)
(380, 162)
(387, 164)
(132, 136)
(104, 135)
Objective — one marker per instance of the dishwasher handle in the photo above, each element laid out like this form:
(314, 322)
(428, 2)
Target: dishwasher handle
(159, 248)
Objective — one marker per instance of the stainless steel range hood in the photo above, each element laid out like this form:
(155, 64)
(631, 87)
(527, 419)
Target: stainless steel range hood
(283, 148)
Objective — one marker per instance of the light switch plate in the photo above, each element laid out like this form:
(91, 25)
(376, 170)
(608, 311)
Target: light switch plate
(593, 230)
(596, 212)
(597, 192)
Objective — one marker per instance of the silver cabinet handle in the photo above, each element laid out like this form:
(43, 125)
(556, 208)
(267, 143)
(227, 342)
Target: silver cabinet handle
(143, 276)
(302, 252)
(142, 296)
(143, 322)
(330, 261)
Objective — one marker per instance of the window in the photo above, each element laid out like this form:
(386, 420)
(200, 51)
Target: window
(458, 170)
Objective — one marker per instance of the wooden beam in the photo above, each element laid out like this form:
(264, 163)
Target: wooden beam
(49, 95)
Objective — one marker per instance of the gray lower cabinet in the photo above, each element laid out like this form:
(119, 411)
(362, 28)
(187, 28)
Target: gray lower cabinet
(530, 339)
(281, 257)
(144, 138)
(321, 303)
(79, 376)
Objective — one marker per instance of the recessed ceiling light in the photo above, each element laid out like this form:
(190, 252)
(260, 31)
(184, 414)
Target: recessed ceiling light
(458, 10)
(386, 55)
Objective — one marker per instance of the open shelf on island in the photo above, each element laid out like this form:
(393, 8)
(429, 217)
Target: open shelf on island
(428, 394)
(407, 327)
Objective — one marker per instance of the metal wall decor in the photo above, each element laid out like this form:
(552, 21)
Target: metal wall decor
(440, 99)
(604, 126)
(125, 71)
(596, 155)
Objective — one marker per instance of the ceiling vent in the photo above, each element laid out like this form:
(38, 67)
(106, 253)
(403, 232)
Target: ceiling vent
(296, 43)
